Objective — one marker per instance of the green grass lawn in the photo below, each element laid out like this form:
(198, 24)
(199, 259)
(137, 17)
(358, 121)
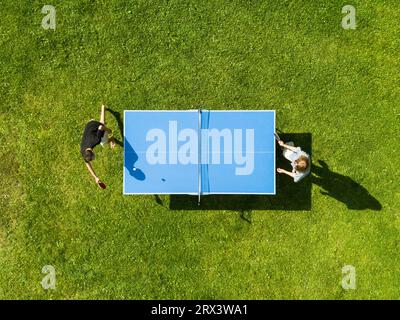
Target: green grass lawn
(341, 87)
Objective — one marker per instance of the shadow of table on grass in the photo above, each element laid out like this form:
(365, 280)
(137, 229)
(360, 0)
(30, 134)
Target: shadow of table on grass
(289, 195)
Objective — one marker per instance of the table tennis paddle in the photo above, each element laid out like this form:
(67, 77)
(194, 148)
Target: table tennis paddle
(277, 137)
(102, 185)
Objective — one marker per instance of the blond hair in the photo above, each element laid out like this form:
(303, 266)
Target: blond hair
(301, 164)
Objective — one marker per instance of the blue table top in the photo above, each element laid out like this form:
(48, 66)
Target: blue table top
(192, 152)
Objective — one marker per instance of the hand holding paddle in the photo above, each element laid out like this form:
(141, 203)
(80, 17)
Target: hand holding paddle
(100, 183)
(277, 137)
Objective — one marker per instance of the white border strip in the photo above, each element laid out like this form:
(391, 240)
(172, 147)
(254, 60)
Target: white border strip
(196, 110)
(274, 143)
(199, 172)
(126, 111)
(196, 194)
(123, 159)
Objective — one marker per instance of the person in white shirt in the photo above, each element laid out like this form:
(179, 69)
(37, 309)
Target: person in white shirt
(299, 160)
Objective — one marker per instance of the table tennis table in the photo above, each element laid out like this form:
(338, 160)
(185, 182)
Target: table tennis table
(199, 152)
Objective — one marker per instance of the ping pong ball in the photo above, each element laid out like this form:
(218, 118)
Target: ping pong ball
(134, 169)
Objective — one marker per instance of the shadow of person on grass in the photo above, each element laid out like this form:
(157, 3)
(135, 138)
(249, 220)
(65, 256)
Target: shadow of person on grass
(342, 188)
(130, 161)
(117, 117)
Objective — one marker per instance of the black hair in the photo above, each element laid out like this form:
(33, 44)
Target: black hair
(88, 155)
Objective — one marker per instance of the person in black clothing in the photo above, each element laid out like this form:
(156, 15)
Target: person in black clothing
(95, 133)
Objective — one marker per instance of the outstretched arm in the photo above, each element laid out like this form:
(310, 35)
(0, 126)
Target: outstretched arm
(291, 174)
(91, 170)
(103, 120)
(283, 145)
